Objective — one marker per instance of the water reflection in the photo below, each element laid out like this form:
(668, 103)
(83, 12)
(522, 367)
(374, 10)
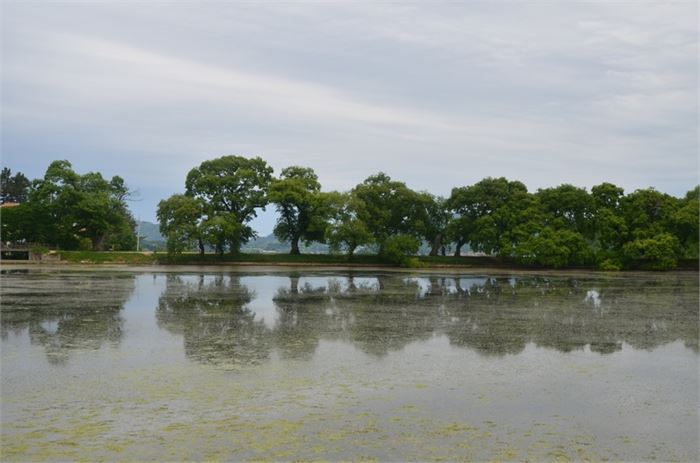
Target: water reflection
(211, 314)
(376, 313)
(66, 313)
(383, 313)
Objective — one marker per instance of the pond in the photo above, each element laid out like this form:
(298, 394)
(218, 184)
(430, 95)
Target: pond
(260, 364)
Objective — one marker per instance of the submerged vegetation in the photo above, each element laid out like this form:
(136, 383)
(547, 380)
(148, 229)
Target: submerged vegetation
(564, 226)
(385, 365)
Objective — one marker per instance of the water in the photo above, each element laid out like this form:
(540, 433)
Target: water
(245, 364)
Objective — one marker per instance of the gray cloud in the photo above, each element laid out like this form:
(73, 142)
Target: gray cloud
(436, 95)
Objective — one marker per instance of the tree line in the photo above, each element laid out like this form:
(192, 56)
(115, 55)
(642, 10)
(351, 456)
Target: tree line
(553, 227)
(67, 210)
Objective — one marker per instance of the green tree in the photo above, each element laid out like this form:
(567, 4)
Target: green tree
(684, 224)
(609, 229)
(489, 214)
(232, 188)
(659, 252)
(302, 207)
(387, 208)
(435, 218)
(224, 230)
(13, 188)
(346, 230)
(69, 208)
(648, 213)
(607, 196)
(180, 219)
(569, 207)
(554, 248)
(399, 248)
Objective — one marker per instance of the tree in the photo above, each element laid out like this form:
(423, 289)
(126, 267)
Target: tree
(648, 212)
(659, 252)
(387, 208)
(554, 248)
(69, 208)
(232, 188)
(568, 207)
(398, 248)
(607, 196)
(13, 189)
(180, 219)
(434, 220)
(488, 213)
(684, 224)
(345, 229)
(302, 207)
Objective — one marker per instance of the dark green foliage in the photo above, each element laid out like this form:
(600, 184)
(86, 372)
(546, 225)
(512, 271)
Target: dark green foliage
(13, 188)
(490, 215)
(180, 219)
(65, 209)
(554, 248)
(303, 208)
(398, 249)
(434, 220)
(387, 208)
(231, 188)
(565, 226)
(345, 230)
(568, 207)
(684, 224)
(659, 252)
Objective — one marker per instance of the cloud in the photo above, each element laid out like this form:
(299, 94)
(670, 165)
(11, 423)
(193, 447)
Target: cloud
(437, 96)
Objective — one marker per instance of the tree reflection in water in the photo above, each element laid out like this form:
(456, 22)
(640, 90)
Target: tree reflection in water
(384, 313)
(377, 313)
(211, 314)
(75, 311)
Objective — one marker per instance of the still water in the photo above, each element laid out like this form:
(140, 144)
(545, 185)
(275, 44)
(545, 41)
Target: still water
(216, 364)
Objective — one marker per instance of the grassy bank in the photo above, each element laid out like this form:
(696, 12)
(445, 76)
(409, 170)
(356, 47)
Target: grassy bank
(139, 258)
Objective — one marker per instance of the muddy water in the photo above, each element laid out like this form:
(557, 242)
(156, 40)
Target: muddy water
(105, 365)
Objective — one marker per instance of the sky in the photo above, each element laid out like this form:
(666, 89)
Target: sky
(437, 95)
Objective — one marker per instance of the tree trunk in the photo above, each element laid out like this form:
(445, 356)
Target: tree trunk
(294, 284)
(437, 243)
(234, 248)
(98, 243)
(295, 246)
(201, 246)
(458, 249)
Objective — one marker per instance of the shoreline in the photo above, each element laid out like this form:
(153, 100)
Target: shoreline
(311, 267)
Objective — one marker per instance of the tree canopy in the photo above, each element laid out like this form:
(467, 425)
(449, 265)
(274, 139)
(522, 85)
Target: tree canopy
(73, 211)
(556, 227)
(303, 209)
(230, 188)
(13, 188)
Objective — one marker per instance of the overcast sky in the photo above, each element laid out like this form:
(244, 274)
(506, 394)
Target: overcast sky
(436, 95)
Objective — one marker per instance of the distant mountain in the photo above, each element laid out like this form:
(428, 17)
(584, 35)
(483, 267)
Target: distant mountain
(150, 231)
(151, 239)
(270, 244)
